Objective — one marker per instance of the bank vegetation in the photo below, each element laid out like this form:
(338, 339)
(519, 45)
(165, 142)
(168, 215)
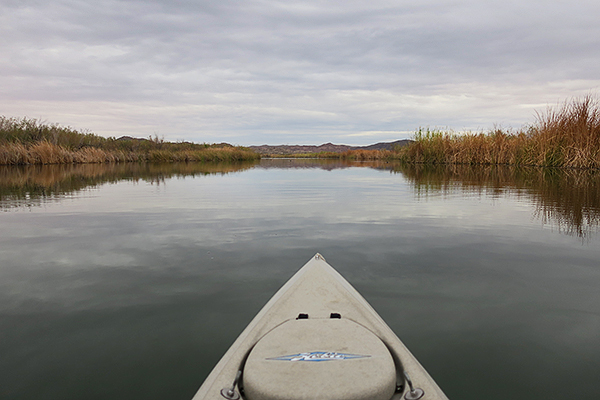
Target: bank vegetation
(28, 141)
(568, 136)
(565, 137)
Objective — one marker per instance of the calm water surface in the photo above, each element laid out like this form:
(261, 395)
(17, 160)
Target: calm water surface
(131, 281)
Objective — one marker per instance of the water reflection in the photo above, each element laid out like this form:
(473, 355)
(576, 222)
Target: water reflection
(327, 164)
(136, 291)
(32, 185)
(568, 199)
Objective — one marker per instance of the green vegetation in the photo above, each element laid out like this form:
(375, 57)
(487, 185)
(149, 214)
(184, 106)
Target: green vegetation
(28, 141)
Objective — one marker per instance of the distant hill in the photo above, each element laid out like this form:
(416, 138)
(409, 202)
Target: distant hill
(327, 147)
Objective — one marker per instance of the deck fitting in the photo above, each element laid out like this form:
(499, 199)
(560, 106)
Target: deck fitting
(413, 393)
(230, 393)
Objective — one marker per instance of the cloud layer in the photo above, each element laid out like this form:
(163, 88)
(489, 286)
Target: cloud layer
(254, 72)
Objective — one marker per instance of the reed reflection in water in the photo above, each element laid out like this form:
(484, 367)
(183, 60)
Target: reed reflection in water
(568, 199)
(32, 185)
(565, 199)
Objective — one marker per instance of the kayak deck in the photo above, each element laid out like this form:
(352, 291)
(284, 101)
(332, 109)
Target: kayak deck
(346, 350)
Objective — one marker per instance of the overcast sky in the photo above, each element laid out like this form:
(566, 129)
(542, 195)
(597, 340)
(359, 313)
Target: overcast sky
(294, 71)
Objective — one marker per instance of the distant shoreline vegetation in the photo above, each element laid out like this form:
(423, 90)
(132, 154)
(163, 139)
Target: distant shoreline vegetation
(568, 137)
(27, 141)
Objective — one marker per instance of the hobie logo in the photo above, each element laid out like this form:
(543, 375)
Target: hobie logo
(318, 356)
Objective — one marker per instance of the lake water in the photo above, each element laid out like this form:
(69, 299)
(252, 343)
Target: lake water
(131, 281)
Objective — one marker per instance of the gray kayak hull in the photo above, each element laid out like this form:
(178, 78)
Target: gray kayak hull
(320, 294)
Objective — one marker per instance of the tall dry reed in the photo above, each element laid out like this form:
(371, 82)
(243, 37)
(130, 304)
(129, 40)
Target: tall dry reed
(48, 153)
(28, 141)
(566, 137)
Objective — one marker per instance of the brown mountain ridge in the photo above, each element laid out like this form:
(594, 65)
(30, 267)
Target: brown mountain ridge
(327, 147)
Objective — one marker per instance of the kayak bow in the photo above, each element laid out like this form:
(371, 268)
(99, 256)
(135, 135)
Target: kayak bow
(318, 338)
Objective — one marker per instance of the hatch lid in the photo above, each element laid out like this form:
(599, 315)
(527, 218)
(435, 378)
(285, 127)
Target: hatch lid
(319, 359)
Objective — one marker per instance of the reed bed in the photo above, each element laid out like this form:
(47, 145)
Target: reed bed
(225, 154)
(366, 155)
(566, 137)
(48, 153)
(26, 141)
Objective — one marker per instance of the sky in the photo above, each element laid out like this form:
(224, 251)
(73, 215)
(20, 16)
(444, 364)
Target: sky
(251, 72)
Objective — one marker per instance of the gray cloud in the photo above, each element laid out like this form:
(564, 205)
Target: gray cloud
(254, 72)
